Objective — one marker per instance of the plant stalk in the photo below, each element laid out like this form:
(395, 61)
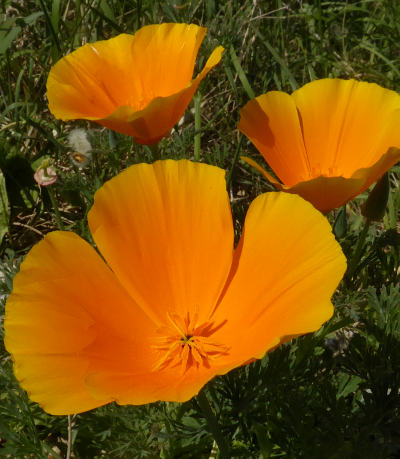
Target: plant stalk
(234, 162)
(69, 442)
(197, 127)
(213, 425)
(60, 224)
(358, 252)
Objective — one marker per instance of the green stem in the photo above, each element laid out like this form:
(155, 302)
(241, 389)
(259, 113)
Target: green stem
(213, 426)
(358, 252)
(197, 127)
(69, 442)
(235, 160)
(55, 207)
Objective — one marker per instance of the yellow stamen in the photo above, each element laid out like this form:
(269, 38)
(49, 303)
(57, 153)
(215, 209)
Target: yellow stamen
(184, 343)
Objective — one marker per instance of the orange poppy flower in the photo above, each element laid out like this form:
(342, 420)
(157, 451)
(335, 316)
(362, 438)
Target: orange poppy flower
(328, 141)
(139, 85)
(175, 305)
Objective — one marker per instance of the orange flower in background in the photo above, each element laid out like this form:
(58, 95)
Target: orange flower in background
(139, 85)
(175, 305)
(328, 141)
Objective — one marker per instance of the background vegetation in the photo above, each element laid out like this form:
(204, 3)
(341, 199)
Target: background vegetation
(331, 395)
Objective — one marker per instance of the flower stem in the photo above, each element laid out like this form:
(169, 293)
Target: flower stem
(197, 127)
(213, 426)
(235, 160)
(69, 442)
(60, 224)
(358, 252)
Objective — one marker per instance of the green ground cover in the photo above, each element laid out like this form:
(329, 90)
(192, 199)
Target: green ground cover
(333, 394)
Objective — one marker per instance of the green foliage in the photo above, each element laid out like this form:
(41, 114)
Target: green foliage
(334, 394)
(4, 209)
(375, 206)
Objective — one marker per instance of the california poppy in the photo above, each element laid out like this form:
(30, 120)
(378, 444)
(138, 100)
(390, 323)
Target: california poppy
(328, 141)
(175, 305)
(138, 84)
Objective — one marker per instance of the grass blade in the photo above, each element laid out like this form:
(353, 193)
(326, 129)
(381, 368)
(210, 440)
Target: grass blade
(289, 75)
(242, 76)
(4, 208)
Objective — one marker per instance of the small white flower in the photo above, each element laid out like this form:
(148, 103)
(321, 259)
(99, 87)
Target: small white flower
(78, 141)
(45, 175)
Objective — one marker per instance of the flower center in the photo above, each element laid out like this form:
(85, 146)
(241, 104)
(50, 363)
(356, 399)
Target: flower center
(185, 343)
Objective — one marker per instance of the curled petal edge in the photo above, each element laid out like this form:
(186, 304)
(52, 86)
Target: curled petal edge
(328, 193)
(162, 112)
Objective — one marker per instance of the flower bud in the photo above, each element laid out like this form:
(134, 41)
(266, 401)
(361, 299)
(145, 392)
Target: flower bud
(374, 207)
(45, 175)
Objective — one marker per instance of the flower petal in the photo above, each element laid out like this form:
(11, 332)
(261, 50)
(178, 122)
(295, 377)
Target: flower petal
(272, 124)
(149, 125)
(170, 385)
(263, 172)
(347, 125)
(92, 81)
(114, 81)
(63, 297)
(327, 193)
(166, 231)
(164, 56)
(328, 141)
(285, 270)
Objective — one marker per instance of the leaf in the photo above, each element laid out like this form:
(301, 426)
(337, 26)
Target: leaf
(7, 40)
(264, 443)
(55, 15)
(31, 19)
(38, 162)
(340, 225)
(347, 385)
(242, 76)
(108, 12)
(285, 69)
(11, 28)
(4, 208)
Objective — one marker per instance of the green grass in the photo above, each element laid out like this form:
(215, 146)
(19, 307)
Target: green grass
(320, 396)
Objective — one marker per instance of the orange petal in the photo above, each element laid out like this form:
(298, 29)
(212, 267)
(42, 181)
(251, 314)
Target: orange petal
(141, 388)
(327, 193)
(63, 296)
(328, 141)
(285, 270)
(149, 125)
(272, 124)
(263, 172)
(166, 231)
(114, 81)
(347, 125)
